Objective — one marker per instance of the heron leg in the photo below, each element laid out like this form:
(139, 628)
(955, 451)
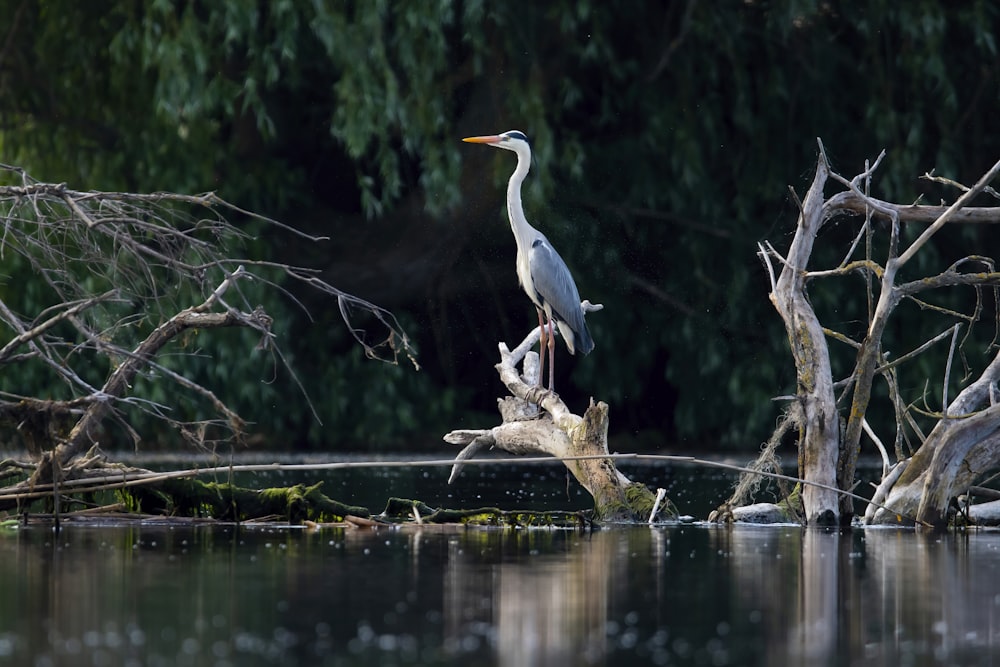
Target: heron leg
(552, 356)
(541, 348)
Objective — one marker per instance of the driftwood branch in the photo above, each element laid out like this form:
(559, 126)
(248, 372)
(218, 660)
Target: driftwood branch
(556, 431)
(870, 354)
(966, 439)
(858, 204)
(821, 427)
(961, 448)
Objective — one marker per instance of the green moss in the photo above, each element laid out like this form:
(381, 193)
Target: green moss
(641, 499)
(224, 501)
(400, 510)
(792, 505)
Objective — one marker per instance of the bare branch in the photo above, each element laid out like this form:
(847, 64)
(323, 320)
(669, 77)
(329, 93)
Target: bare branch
(947, 370)
(861, 265)
(929, 176)
(966, 197)
(951, 278)
(857, 202)
(909, 356)
(117, 274)
(120, 380)
(966, 439)
(846, 340)
(766, 259)
(36, 331)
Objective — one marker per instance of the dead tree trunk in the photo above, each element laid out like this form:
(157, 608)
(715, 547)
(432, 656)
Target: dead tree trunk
(819, 437)
(964, 443)
(536, 421)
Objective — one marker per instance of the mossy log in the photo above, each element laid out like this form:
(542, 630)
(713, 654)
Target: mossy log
(226, 501)
(121, 492)
(401, 509)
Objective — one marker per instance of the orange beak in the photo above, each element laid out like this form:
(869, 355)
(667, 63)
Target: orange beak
(490, 139)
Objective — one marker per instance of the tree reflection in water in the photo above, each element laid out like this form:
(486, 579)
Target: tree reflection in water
(693, 594)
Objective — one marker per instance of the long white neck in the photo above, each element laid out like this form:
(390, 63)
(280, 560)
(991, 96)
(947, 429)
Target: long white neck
(523, 232)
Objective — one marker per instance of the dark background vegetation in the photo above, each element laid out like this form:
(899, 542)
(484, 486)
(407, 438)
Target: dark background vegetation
(666, 135)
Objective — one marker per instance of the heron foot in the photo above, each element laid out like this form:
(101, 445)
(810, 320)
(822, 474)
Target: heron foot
(538, 395)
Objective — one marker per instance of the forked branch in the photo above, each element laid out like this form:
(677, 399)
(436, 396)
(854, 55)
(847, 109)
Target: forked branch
(953, 446)
(114, 276)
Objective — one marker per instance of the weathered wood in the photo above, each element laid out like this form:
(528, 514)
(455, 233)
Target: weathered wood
(960, 449)
(870, 351)
(963, 444)
(556, 431)
(820, 436)
(912, 213)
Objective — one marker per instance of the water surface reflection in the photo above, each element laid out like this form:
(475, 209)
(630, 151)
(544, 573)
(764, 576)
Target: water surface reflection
(161, 594)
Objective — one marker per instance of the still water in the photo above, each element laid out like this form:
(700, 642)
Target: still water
(163, 593)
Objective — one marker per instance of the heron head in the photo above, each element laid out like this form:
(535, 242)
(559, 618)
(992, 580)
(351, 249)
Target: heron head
(512, 140)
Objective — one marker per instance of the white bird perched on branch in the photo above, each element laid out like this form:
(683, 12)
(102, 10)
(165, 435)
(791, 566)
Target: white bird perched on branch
(541, 271)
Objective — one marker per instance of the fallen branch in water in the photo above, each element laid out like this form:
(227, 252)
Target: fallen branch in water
(120, 477)
(110, 280)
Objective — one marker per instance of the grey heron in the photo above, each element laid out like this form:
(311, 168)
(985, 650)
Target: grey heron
(540, 270)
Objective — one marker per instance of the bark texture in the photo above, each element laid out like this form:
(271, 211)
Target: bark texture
(820, 432)
(961, 449)
(965, 441)
(536, 421)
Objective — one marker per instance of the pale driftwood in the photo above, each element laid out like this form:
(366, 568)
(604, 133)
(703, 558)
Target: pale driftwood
(820, 420)
(870, 355)
(985, 514)
(964, 443)
(761, 513)
(961, 448)
(556, 431)
(889, 478)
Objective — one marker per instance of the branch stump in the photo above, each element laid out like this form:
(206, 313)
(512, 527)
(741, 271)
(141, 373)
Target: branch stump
(536, 421)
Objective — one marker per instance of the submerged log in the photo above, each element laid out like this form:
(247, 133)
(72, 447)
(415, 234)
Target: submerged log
(227, 501)
(400, 509)
(96, 488)
(536, 421)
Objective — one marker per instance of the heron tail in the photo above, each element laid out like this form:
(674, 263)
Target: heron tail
(584, 342)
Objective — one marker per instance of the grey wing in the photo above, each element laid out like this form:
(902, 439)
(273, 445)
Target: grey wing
(556, 289)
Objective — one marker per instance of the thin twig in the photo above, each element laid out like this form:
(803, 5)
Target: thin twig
(947, 369)
(766, 259)
(966, 197)
(910, 355)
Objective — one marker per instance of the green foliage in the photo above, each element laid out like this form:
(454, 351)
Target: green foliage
(665, 136)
